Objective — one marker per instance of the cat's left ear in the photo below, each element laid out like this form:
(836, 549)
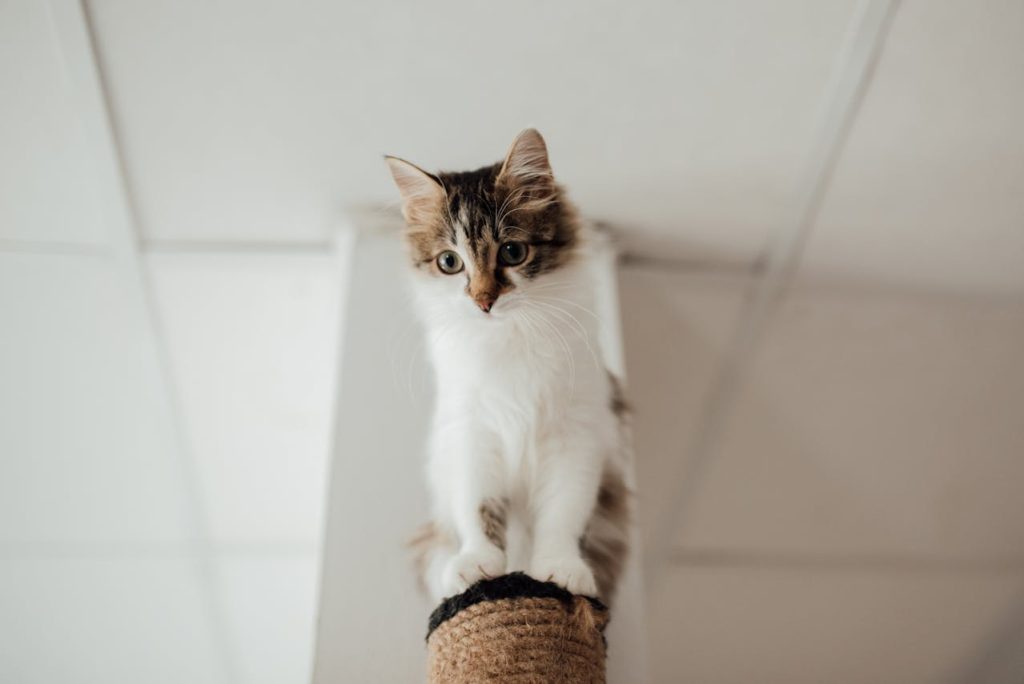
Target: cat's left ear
(526, 170)
(422, 192)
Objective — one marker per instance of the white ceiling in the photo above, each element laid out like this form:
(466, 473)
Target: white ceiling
(868, 467)
(686, 125)
(930, 188)
(46, 190)
(874, 424)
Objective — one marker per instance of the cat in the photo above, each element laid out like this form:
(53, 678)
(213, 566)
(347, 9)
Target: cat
(528, 449)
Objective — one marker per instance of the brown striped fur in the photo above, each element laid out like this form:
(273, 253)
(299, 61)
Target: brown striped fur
(494, 518)
(605, 543)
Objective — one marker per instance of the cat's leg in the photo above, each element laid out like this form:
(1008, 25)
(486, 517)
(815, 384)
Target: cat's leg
(477, 510)
(605, 543)
(563, 499)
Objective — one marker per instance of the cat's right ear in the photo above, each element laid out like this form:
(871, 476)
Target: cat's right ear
(422, 192)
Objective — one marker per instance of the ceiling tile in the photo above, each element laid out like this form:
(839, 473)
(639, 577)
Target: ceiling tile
(684, 123)
(874, 424)
(103, 620)
(87, 444)
(727, 625)
(929, 190)
(47, 189)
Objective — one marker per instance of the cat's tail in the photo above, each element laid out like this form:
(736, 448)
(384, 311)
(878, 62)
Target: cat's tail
(432, 548)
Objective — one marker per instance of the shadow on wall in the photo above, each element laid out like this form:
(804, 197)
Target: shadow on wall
(840, 514)
(1000, 656)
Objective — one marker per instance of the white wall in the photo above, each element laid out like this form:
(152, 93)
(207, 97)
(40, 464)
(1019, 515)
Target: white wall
(373, 618)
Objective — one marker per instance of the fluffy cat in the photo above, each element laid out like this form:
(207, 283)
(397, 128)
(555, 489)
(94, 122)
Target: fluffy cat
(527, 451)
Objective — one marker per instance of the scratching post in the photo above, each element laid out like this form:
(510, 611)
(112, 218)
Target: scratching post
(516, 629)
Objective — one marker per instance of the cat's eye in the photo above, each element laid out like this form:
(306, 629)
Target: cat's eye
(449, 262)
(512, 253)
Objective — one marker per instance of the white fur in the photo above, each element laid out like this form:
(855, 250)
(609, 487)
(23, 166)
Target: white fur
(522, 414)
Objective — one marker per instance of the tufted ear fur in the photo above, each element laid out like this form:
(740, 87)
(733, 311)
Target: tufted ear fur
(526, 172)
(422, 192)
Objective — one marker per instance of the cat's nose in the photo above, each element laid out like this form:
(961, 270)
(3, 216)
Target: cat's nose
(485, 301)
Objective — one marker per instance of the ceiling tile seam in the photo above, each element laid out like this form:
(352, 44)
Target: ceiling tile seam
(841, 102)
(78, 43)
(53, 248)
(320, 247)
(77, 549)
(897, 561)
(645, 262)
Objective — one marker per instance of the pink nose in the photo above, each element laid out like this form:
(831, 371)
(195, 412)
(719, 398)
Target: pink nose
(485, 301)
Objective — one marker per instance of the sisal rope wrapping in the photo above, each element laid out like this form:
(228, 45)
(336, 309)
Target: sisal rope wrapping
(515, 629)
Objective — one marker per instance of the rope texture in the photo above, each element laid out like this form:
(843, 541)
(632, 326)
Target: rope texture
(525, 640)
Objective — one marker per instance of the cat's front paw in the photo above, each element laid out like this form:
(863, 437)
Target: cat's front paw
(467, 568)
(569, 572)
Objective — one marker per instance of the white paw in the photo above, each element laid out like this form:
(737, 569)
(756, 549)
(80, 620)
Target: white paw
(467, 568)
(569, 572)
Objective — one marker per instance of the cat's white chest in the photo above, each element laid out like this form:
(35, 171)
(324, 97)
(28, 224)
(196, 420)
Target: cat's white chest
(511, 384)
(511, 379)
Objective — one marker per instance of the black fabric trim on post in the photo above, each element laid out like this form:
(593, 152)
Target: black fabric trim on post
(514, 585)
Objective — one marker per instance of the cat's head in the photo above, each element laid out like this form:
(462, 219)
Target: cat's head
(483, 238)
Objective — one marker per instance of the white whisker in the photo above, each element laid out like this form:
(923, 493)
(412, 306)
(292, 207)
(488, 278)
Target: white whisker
(571, 303)
(542, 320)
(577, 327)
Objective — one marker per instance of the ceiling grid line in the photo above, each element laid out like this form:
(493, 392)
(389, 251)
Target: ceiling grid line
(841, 103)
(77, 41)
